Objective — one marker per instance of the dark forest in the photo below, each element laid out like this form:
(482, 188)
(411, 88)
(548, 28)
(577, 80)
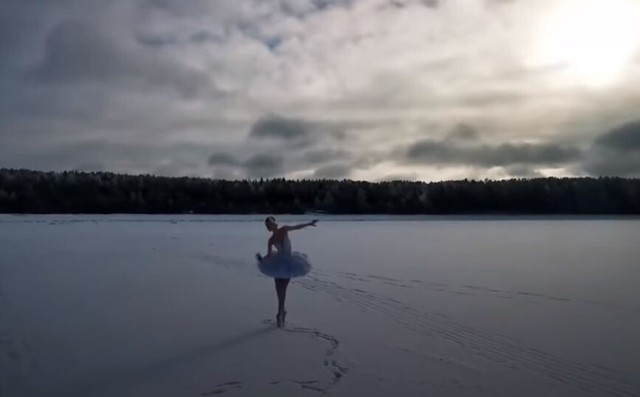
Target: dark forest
(25, 191)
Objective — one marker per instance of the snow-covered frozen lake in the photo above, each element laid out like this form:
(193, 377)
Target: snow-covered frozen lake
(125, 305)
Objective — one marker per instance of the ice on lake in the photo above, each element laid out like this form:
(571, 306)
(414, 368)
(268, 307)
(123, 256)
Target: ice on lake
(125, 305)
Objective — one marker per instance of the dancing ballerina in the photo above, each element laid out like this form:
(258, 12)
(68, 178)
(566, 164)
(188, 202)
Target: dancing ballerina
(283, 264)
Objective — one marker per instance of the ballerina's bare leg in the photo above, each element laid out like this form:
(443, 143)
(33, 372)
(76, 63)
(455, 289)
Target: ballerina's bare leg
(281, 291)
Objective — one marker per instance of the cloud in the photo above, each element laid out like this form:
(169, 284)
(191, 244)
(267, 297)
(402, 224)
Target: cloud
(407, 3)
(625, 138)
(263, 166)
(253, 162)
(75, 52)
(224, 159)
(95, 154)
(281, 128)
(159, 85)
(225, 174)
(333, 171)
(399, 177)
(616, 152)
(463, 132)
(176, 168)
(464, 146)
(90, 167)
(230, 164)
(522, 171)
(324, 155)
(295, 133)
(505, 154)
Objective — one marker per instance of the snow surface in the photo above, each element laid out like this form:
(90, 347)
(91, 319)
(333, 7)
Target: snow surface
(158, 306)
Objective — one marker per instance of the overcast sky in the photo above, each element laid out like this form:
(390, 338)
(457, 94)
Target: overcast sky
(362, 89)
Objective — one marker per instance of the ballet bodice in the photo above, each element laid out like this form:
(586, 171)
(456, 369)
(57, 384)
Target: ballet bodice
(285, 246)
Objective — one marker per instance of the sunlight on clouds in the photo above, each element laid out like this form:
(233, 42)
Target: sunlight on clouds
(188, 79)
(594, 39)
(557, 172)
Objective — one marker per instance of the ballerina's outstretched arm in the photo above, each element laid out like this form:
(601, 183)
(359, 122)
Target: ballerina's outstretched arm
(300, 226)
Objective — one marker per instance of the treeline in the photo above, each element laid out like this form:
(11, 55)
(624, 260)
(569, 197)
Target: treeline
(25, 191)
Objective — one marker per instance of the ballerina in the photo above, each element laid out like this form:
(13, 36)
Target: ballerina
(283, 264)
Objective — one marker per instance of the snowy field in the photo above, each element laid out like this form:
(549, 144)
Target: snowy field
(111, 306)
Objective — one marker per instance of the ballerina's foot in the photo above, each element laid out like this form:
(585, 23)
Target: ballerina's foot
(280, 317)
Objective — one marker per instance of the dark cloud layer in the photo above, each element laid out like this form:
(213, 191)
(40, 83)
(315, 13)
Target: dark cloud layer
(325, 162)
(613, 165)
(485, 155)
(258, 165)
(281, 128)
(263, 166)
(294, 132)
(616, 152)
(625, 138)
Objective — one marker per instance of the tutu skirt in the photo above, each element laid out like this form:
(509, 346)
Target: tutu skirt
(285, 265)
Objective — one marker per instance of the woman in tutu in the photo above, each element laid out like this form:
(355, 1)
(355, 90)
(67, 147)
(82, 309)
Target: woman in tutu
(283, 264)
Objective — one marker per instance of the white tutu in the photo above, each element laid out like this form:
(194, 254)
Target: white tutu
(285, 263)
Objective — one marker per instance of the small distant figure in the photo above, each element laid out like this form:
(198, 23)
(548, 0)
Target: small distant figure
(283, 264)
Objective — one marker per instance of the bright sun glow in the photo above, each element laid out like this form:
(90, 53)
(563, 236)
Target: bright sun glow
(594, 39)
